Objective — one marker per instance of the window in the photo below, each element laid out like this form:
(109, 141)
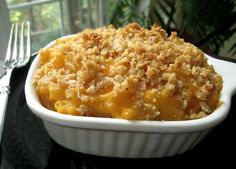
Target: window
(51, 19)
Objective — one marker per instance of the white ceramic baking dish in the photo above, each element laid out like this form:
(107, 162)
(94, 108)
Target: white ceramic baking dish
(130, 138)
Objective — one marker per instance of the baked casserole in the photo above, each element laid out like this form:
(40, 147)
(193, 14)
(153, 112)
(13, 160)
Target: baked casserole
(129, 73)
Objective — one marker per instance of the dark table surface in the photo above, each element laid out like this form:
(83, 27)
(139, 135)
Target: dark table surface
(26, 144)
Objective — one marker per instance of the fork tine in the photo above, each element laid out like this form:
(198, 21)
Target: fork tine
(21, 50)
(14, 53)
(28, 50)
(8, 53)
(25, 45)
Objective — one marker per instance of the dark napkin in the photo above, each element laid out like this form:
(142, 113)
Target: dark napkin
(25, 142)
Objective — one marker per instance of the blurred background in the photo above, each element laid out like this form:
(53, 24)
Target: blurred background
(210, 25)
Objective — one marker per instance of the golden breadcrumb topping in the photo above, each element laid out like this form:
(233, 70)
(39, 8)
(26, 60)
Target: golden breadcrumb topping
(129, 73)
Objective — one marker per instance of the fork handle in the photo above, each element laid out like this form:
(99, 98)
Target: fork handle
(3, 104)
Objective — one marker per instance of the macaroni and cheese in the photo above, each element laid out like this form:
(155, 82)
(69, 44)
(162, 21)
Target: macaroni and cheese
(128, 73)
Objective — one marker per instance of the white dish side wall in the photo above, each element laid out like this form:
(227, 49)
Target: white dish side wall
(123, 143)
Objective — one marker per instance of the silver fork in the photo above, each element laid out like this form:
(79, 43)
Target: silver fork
(17, 55)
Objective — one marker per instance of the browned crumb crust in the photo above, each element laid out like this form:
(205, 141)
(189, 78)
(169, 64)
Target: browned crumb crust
(130, 73)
